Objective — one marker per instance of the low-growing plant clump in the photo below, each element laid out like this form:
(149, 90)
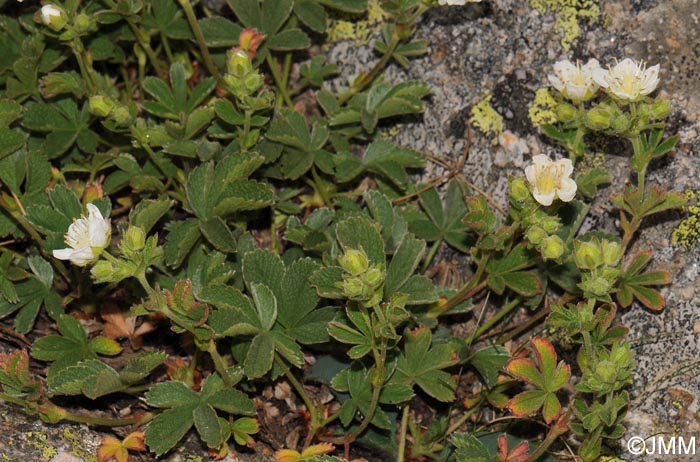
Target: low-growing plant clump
(189, 215)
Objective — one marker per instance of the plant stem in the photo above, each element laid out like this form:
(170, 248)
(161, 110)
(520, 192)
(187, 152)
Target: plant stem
(92, 420)
(279, 81)
(402, 433)
(455, 426)
(433, 250)
(201, 42)
(364, 80)
(473, 286)
(219, 363)
(316, 418)
(89, 77)
(493, 320)
(559, 427)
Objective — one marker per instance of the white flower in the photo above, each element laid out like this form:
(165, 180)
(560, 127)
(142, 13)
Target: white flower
(456, 2)
(628, 80)
(87, 237)
(551, 178)
(575, 81)
(53, 16)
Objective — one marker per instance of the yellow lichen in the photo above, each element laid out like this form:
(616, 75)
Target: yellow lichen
(486, 119)
(358, 30)
(542, 110)
(38, 440)
(569, 14)
(687, 233)
(77, 445)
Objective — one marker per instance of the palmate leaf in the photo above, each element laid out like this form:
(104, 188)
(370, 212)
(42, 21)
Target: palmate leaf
(65, 124)
(443, 221)
(381, 158)
(545, 374)
(175, 100)
(186, 408)
(635, 284)
(420, 364)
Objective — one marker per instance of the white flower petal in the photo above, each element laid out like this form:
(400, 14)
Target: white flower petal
(567, 190)
(544, 199)
(79, 257)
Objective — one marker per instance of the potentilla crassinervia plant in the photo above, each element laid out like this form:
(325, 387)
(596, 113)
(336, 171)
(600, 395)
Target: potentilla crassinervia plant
(178, 236)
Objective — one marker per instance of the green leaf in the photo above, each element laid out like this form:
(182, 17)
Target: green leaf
(140, 366)
(167, 428)
(220, 32)
(265, 304)
(243, 196)
(232, 401)
(179, 242)
(207, 424)
(403, 264)
(326, 279)
(311, 14)
(489, 362)
(264, 267)
(258, 361)
(148, 212)
(421, 365)
(171, 394)
(275, 14)
(218, 234)
(527, 402)
(470, 449)
(11, 139)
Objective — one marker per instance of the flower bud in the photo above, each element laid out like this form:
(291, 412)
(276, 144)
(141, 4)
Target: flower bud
(100, 105)
(598, 118)
(519, 190)
(122, 116)
(84, 23)
(355, 289)
(587, 255)
(374, 277)
(660, 108)
(354, 262)
(599, 286)
(621, 123)
(566, 112)
(53, 16)
(552, 248)
(239, 64)
(535, 235)
(135, 238)
(612, 252)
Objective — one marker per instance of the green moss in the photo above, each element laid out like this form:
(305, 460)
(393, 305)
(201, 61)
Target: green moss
(358, 30)
(569, 14)
(687, 233)
(542, 110)
(486, 119)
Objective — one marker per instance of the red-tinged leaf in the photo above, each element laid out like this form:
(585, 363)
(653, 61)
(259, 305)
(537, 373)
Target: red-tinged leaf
(648, 297)
(561, 376)
(524, 283)
(317, 450)
(546, 358)
(551, 408)
(651, 278)
(639, 262)
(517, 454)
(624, 296)
(616, 333)
(526, 403)
(525, 370)
(287, 455)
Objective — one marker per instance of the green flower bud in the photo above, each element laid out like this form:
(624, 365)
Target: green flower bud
(606, 372)
(598, 119)
(519, 190)
(135, 238)
(535, 235)
(374, 277)
(239, 64)
(612, 252)
(552, 248)
(660, 108)
(100, 105)
(621, 123)
(356, 289)
(550, 224)
(599, 286)
(354, 262)
(588, 255)
(566, 112)
(122, 116)
(84, 23)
